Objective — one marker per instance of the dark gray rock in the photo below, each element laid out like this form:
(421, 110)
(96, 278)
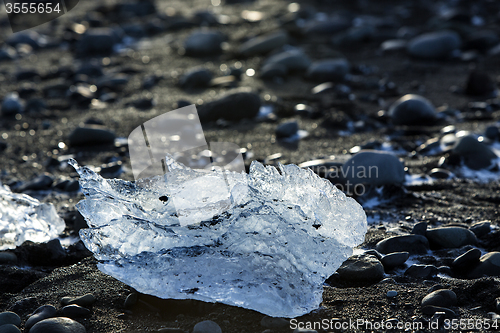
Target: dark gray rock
(421, 271)
(443, 298)
(115, 82)
(431, 310)
(99, 41)
(11, 105)
(355, 35)
(294, 60)
(481, 40)
(394, 259)
(434, 45)
(328, 70)
(467, 260)
(263, 44)
(85, 300)
(7, 53)
(43, 312)
(393, 45)
(58, 325)
(412, 109)
(374, 167)
(9, 328)
(41, 182)
(207, 326)
(360, 269)
(8, 317)
(329, 27)
(474, 154)
(489, 265)
(30, 37)
(91, 135)
(232, 107)
(195, 78)
(450, 237)
(419, 229)
(414, 244)
(7, 258)
(55, 248)
(273, 70)
(439, 173)
(203, 43)
(481, 229)
(131, 300)
(480, 84)
(75, 311)
(375, 253)
(492, 133)
(287, 129)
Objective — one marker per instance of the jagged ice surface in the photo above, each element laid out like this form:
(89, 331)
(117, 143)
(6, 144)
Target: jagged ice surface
(267, 243)
(24, 218)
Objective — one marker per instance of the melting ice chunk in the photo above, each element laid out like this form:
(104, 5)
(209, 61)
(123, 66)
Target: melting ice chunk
(268, 244)
(24, 218)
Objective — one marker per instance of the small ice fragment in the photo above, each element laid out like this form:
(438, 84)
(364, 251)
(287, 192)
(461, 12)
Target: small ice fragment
(267, 244)
(24, 218)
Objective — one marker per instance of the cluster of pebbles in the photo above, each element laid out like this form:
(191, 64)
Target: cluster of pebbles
(335, 87)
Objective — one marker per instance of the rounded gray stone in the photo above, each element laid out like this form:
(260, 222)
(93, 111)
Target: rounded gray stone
(434, 45)
(492, 132)
(8, 317)
(414, 244)
(450, 237)
(43, 312)
(443, 298)
(489, 265)
(85, 300)
(287, 129)
(328, 70)
(7, 258)
(131, 300)
(421, 271)
(98, 41)
(431, 310)
(394, 259)
(468, 259)
(11, 104)
(481, 229)
(412, 109)
(197, 77)
(263, 44)
(419, 228)
(9, 328)
(476, 155)
(293, 60)
(232, 107)
(364, 268)
(273, 70)
(207, 326)
(392, 293)
(374, 168)
(58, 325)
(91, 135)
(75, 311)
(203, 43)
